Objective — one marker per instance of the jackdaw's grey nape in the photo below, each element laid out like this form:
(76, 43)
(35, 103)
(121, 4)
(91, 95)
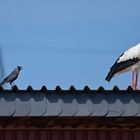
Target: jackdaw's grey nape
(12, 77)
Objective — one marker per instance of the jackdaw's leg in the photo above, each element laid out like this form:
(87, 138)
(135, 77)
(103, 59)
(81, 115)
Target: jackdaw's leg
(11, 83)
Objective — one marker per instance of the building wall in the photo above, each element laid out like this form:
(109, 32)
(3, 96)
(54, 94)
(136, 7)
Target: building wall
(69, 135)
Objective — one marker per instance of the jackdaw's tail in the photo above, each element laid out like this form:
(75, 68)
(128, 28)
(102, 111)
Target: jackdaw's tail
(2, 83)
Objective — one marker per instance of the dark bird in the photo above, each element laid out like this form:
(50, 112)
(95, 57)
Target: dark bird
(128, 61)
(12, 77)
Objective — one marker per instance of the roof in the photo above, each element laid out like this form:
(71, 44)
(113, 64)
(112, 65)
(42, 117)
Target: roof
(70, 123)
(72, 102)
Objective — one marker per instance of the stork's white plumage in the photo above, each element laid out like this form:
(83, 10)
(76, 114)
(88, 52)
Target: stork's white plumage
(128, 61)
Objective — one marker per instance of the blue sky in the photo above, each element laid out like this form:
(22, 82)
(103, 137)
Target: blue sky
(67, 42)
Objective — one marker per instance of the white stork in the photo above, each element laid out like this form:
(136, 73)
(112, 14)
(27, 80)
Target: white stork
(128, 61)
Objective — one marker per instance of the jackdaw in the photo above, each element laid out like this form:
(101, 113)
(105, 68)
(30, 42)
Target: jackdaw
(12, 77)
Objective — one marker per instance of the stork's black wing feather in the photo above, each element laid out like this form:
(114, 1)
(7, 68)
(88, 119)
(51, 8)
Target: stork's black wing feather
(121, 66)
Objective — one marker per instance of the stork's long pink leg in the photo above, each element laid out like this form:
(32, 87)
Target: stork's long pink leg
(136, 82)
(133, 84)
